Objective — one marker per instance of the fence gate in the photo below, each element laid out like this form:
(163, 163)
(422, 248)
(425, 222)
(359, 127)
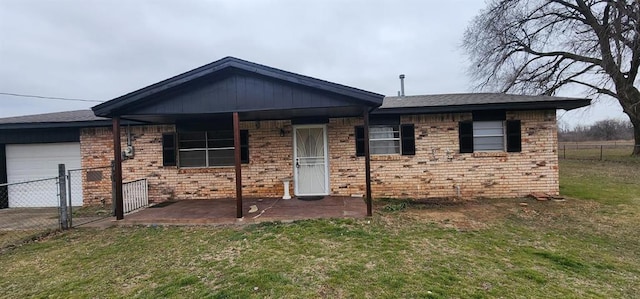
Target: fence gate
(75, 197)
(135, 195)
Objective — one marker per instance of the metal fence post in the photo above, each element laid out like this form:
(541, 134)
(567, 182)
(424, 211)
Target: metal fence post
(564, 151)
(70, 201)
(63, 196)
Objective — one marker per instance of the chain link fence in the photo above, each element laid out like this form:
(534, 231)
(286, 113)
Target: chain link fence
(592, 151)
(29, 210)
(32, 209)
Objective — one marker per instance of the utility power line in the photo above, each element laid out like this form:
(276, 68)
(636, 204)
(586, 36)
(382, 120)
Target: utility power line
(46, 97)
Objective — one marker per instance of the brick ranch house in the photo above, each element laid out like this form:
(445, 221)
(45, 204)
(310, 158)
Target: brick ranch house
(234, 128)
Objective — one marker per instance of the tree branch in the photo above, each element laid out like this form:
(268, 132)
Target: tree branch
(568, 55)
(597, 89)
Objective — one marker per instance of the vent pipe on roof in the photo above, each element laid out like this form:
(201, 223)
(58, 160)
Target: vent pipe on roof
(401, 93)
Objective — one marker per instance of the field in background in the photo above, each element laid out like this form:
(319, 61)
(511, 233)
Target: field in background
(614, 150)
(577, 248)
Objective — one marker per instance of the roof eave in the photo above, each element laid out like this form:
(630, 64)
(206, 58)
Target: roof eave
(561, 104)
(55, 125)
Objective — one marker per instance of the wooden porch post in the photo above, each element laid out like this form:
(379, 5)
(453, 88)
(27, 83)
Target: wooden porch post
(117, 171)
(367, 163)
(236, 152)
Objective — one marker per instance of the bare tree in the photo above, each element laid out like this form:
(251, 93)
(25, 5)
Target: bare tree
(607, 129)
(541, 46)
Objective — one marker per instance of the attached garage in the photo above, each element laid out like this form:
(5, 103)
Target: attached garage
(29, 162)
(32, 146)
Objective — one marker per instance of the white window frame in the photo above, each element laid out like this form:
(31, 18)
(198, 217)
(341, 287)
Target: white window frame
(372, 140)
(480, 135)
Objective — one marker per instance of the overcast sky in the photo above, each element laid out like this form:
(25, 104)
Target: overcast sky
(99, 50)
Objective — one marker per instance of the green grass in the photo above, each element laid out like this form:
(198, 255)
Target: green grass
(494, 248)
(598, 150)
(606, 182)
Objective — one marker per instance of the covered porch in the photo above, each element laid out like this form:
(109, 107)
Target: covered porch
(216, 112)
(256, 210)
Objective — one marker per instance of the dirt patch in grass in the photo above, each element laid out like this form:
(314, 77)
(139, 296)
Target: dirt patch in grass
(486, 213)
(461, 215)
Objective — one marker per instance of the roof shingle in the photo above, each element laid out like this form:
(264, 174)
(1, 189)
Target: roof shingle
(458, 99)
(56, 117)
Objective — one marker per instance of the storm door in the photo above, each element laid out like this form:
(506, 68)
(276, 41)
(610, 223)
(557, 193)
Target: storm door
(311, 172)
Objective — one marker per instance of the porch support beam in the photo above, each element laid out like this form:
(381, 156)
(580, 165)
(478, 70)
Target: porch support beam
(237, 159)
(117, 169)
(367, 163)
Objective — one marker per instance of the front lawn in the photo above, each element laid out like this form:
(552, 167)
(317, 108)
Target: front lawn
(492, 248)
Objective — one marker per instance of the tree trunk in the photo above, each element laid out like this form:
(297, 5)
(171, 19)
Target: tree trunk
(629, 98)
(636, 137)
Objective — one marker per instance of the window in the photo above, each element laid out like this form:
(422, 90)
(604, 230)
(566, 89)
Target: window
(384, 140)
(204, 148)
(488, 136)
(387, 140)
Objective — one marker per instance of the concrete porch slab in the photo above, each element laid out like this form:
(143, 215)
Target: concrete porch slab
(223, 211)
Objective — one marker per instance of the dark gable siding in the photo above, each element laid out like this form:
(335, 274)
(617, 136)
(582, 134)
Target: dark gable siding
(237, 92)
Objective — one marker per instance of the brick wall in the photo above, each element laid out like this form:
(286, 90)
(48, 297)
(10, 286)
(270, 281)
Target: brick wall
(437, 169)
(270, 161)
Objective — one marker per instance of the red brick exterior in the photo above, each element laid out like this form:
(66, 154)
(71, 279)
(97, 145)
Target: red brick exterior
(437, 169)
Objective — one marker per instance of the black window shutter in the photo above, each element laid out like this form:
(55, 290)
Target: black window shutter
(359, 141)
(168, 149)
(407, 133)
(465, 136)
(514, 136)
(244, 146)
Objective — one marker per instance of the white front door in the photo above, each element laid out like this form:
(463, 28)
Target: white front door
(311, 172)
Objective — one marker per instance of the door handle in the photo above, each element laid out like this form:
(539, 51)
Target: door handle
(297, 164)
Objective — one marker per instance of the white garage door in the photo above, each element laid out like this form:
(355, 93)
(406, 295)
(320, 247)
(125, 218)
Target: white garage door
(27, 162)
